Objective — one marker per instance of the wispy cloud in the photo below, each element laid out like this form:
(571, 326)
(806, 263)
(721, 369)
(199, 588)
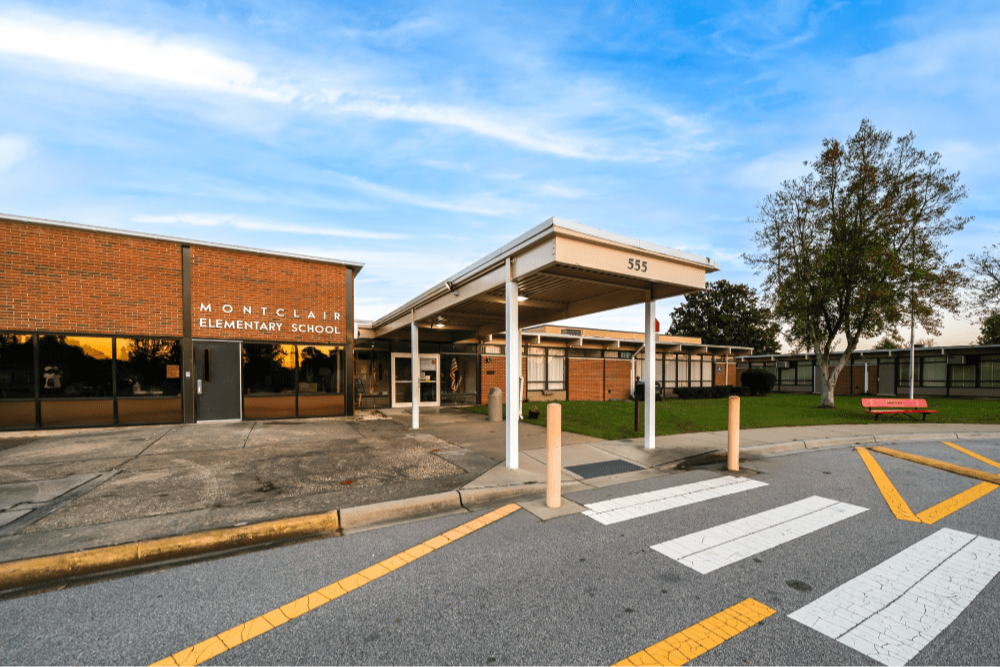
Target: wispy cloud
(196, 63)
(168, 60)
(250, 224)
(483, 204)
(13, 149)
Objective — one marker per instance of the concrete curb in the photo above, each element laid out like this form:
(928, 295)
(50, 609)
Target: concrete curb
(399, 510)
(18, 574)
(793, 446)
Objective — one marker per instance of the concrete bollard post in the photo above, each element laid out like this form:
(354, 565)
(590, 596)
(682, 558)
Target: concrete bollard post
(733, 460)
(553, 432)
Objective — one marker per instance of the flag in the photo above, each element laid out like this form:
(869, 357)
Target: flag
(657, 325)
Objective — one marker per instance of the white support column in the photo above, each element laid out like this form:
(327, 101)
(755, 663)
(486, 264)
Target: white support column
(650, 374)
(521, 380)
(513, 396)
(415, 373)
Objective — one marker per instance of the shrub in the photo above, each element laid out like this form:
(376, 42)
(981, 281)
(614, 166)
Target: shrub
(710, 392)
(759, 381)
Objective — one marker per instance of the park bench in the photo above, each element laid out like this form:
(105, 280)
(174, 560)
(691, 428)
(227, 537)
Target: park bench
(897, 406)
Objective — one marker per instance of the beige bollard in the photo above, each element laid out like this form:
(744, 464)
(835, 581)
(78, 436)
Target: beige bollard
(733, 461)
(553, 432)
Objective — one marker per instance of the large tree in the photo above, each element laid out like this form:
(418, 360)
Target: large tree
(984, 300)
(726, 313)
(855, 248)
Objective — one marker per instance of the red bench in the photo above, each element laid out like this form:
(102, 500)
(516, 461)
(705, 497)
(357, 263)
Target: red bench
(896, 406)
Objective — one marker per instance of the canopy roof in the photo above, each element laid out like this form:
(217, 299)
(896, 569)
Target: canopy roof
(563, 269)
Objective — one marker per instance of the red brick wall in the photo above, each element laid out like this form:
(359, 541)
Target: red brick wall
(79, 281)
(727, 377)
(586, 379)
(618, 379)
(277, 290)
(497, 364)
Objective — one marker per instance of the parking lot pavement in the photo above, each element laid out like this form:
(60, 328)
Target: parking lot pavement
(794, 580)
(114, 486)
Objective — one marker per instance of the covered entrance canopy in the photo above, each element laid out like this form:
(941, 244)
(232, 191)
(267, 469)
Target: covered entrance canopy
(559, 269)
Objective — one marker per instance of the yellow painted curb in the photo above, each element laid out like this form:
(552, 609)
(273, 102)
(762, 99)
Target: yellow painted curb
(20, 573)
(940, 465)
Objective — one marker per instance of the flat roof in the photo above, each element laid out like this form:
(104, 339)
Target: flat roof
(356, 266)
(562, 268)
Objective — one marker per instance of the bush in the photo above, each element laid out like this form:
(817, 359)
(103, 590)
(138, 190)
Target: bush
(759, 381)
(710, 392)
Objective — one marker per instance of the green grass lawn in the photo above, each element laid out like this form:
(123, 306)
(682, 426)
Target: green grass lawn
(613, 420)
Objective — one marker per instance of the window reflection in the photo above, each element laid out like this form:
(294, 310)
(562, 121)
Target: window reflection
(321, 369)
(148, 367)
(17, 366)
(77, 366)
(268, 369)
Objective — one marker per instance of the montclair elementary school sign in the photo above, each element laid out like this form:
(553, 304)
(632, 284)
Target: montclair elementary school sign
(319, 322)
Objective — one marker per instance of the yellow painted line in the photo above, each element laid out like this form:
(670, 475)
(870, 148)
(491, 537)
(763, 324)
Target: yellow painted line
(222, 642)
(895, 501)
(940, 465)
(955, 503)
(702, 637)
(972, 454)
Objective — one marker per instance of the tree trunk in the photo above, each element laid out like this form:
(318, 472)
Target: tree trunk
(826, 390)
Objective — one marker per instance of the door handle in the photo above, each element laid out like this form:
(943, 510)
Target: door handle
(199, 386)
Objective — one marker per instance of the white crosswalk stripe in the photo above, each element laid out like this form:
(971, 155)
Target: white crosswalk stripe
(643, 504)
(892, 611)
(711, 549)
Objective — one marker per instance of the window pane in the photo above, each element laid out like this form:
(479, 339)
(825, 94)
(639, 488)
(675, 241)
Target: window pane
(536, 369)
(707, 375)
(75, 366)
(696, 372)
(671, 378)
(17, 367)
(268, 369)
(535, 351)
(557, 373)
(804, 372)
(935, 371)
(148, 367)
(682, 370)
(459, 377)
(321, 369)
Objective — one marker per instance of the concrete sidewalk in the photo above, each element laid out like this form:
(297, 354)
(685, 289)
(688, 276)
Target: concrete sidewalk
(175, 491)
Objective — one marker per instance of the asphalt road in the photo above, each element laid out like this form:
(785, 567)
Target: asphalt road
(568, 590)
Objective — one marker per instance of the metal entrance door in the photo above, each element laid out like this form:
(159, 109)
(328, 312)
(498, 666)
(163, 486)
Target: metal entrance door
(218, 369)
(886, 379)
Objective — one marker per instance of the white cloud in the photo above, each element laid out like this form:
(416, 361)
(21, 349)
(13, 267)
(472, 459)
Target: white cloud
(142, 54)
(249, 224)
(479, 205)
(563, 191)
(769, 171)
(194, 63)
(13, 149)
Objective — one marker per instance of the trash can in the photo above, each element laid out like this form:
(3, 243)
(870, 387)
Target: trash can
(494, 405)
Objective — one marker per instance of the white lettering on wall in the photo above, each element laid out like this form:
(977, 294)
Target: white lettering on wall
(206, 308)
(257, 325)
(225, 306)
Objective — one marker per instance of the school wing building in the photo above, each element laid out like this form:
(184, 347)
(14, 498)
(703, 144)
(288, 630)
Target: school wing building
(102, 327)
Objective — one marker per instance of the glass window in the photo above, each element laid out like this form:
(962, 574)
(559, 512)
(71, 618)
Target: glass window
(557, 369)
(459, 377)
(804, 374)
(536, 369)
(659, 367)
(682, 370)
(148, 367)
(17, 366)
(75, 366)
(268, 369)
(695, 371)
(935, 372)
(321, 369)
(787, 376)
(670, 366)
(963, 376)
(493, 349)
(989, 371)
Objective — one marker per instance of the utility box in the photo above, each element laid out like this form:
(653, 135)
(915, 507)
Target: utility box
(494, 405)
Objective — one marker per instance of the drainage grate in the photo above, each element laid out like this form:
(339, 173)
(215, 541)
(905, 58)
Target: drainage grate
(603, 468)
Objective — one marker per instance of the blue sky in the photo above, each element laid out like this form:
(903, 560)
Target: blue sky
(417, 137)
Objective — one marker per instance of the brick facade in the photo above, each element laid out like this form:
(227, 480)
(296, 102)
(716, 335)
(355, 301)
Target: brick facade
(586, 379)
(498, 377)
(618, 379)
(269, 298)
(65, 280)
